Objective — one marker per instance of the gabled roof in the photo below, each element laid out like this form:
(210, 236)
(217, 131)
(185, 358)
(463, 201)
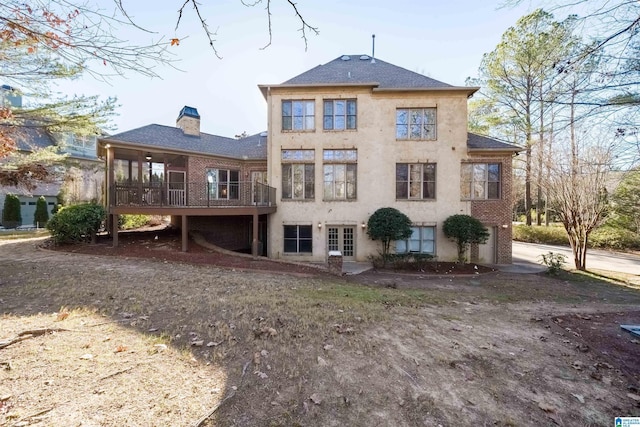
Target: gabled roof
(253, 147)
(477, 142)
(362, 70)
(30, 138)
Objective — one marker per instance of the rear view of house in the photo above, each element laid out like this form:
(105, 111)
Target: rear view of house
(356, 134)
(343, 139)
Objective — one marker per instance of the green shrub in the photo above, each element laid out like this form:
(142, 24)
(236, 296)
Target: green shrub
(605, 237)
(41, 216)
(552, 235)
(410, 261)
(78, 223)
(388, 225)
(554, 262)
(464, 230)
(11, 216)
(614, 238)
(128, 222)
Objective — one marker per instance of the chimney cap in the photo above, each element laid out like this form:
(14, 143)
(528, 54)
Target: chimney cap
(189, 112)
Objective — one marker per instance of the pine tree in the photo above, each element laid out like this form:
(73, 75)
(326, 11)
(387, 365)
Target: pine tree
(41, 216)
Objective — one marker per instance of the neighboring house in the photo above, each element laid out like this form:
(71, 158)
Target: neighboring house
(81, 178)
(344, 139)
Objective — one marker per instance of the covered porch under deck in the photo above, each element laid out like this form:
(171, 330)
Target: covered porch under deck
(185, 212)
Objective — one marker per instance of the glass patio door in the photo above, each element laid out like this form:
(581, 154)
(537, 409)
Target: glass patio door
(342, 239)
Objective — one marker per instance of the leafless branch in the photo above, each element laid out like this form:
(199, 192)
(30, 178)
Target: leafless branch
(269, 20)
(203, 22)
(131, 21)
(305, 25)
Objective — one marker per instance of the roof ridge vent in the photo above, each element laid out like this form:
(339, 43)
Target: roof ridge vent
(345, 57)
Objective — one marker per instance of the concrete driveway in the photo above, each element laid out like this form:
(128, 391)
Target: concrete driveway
(528, 254)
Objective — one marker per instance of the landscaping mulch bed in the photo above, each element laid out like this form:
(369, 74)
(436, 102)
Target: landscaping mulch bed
(165, 244)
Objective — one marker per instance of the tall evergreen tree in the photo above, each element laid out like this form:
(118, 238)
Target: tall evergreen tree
(517, 79)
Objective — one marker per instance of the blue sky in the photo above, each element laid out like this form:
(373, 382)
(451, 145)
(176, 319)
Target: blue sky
(441, 39)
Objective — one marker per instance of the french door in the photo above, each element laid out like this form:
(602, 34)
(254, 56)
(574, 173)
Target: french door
(340, 238)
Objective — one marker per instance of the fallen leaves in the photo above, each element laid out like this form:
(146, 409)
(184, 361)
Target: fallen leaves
(264, 332)
(343, 328)
(315, 398)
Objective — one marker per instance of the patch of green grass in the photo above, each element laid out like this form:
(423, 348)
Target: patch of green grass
(350, 295)
(611, 277)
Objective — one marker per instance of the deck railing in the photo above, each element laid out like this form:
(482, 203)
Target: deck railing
(194, 194)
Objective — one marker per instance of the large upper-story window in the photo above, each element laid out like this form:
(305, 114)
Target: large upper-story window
(223, 184)
(416, 123)
(340, 174)
(480, 181)
(298, 115)
(298, 174)
(415, 181)
(339, 114)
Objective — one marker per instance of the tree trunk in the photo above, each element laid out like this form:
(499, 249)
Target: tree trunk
(461, 253)
(547, 177)
(527, 184)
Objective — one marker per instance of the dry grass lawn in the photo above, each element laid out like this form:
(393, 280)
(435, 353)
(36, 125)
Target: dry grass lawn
(136, 342)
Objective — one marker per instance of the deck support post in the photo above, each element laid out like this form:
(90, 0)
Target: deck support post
(255, 243)
(114, 229)
(185, 233)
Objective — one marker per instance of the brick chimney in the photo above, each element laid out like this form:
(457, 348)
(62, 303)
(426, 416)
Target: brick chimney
(189, 121)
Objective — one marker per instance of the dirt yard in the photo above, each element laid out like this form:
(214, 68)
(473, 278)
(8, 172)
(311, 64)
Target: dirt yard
(96, 340)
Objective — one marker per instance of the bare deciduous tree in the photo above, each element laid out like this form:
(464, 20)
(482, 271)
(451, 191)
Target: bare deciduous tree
(577, 193)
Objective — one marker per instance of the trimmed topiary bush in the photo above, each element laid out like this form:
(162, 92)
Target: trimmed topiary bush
(41, 217)
(78, 223)
(388, 225)
(11, 216)
(464, 230)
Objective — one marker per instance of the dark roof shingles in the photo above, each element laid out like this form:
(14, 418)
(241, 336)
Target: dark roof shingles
(356, 70)
(479, 142)
(253, 147)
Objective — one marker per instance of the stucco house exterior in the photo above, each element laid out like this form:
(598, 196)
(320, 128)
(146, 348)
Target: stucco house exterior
(343, 139)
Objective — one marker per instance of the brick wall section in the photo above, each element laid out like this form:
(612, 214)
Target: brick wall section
(497, 213)
(197, 170)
